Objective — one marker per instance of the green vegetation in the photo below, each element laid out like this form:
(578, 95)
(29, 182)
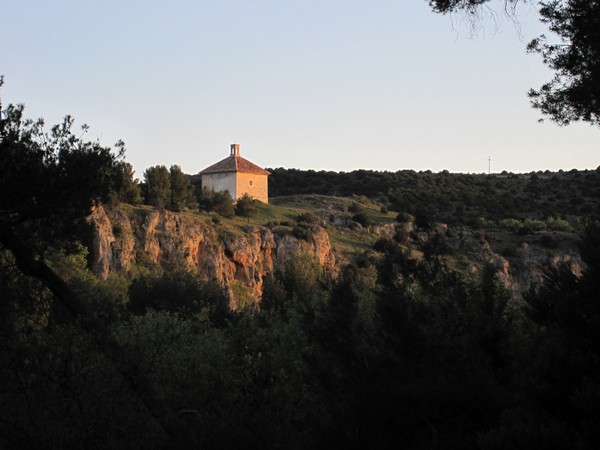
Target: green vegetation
(246, 207)
(400, 350)
(219, 202)
(573, 53)
(168, 189)
(455, 198)
(406, 350)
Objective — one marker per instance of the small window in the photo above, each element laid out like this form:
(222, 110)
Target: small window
(250, 183)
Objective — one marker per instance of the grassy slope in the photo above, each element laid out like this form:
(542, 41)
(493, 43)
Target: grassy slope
(351, 241)
(285, 211)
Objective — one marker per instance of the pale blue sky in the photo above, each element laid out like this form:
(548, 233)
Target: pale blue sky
(311, 84)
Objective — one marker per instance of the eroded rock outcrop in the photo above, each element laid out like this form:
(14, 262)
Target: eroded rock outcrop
(240, 256)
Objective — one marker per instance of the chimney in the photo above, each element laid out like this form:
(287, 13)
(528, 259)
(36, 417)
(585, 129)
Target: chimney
(235, 150)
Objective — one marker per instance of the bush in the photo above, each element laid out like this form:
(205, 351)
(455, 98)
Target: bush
(534, 224)
(558, 224)
(355, 208)
(308, 218)
(524, 231)
(301, 232)
(402, 237)
(487, 224)
(223, 204)
(510, 224)
(480, 235)
(246, 207)
(548, 241)
(362, 219)
(404, 217)
(180, 292)
(219, 202)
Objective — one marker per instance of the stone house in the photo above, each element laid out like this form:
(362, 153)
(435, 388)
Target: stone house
(238, 176)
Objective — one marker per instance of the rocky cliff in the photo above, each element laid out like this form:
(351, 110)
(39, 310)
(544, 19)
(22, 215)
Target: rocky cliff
(520, 261)
(240, 256)
(234, 256)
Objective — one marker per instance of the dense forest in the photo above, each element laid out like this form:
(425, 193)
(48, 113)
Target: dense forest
(455, 198)
(394, 352)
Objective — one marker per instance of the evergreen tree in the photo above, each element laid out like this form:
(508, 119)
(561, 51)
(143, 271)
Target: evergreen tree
(49, 181)
(223, 204)
(182, 191)
(574, 91)
(246, 206)
(206, 199)
(128, 188)
(158, 186)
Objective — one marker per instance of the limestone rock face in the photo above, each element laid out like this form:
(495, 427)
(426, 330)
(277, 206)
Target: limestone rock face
(242, 258)
(111, 253)
(518, 272)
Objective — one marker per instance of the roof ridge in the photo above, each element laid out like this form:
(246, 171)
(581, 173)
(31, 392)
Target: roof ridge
(235, 163)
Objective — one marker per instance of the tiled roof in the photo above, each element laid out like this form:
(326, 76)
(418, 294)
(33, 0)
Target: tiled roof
(235, 163)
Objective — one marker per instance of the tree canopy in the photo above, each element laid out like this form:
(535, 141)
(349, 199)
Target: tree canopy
(573, 93)
(246, 206)
(51, 178)
(49, 181)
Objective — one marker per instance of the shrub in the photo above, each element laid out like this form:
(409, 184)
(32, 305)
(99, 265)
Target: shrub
(301, 232)
(548, 241)
(402, 237)
(404, 217)
(355, 208)
(558, 224)
(362, 219)
(510, 224)
(223, 204)
(246, 207)
(220, 202)
(180, 292)
(524, 231)
(534, 224)
(307, 217)
(487, 224)
(480, 235)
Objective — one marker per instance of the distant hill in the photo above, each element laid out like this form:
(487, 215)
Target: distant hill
(453, 197)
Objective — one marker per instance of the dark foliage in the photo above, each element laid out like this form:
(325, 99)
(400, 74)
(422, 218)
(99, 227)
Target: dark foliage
(220, 202)
(169, 189)
(573, 93)
(127, 188)
(362, 219)
(49, 180)
(157, 183)
(454, 198)
(395, 352)
(180, 292)
(308, 218)
(182, 191)
(246, 206)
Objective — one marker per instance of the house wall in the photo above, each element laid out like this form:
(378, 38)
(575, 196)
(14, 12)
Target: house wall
(254, 185)
(220, 182)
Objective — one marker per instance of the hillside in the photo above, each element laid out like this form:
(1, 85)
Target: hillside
(320, 317)
(455, 198)
(335, 231)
